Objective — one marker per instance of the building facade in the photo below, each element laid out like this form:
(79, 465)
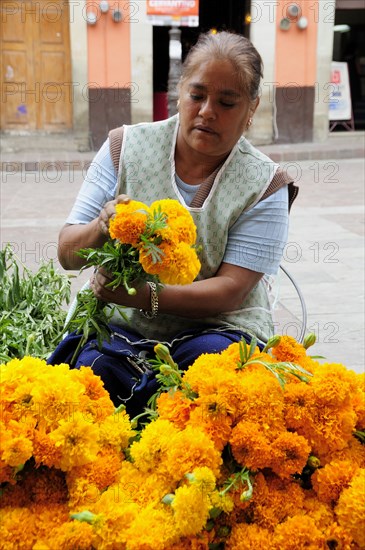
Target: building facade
(86, 66)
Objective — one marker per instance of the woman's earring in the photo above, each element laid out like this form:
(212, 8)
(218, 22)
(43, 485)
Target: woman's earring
(249, 122)
(178, 103)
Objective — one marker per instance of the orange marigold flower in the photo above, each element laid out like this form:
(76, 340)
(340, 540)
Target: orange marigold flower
(250, 446)
(179, 264)
(212, 416)
(337, 537)
(180, 224)
(297, 532)
(290, 453)
(93, 385)
(320, 512)
(328, 482)
(274, 500)
(129, 222)
(190, 449)
(175, 407)
(289, 349)
(246, 537)
(354, 452)
(350, 509)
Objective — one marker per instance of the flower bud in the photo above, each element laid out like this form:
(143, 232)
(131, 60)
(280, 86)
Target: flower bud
(313, 462)
(86, 516)
(272, 342)
(163, 353)
(309, 340)
(132, 291)
(168, 499)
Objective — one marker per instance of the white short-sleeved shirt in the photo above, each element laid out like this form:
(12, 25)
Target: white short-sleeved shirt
(256, 241)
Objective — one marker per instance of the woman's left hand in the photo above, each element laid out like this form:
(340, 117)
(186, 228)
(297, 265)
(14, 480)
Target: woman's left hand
(99, 282)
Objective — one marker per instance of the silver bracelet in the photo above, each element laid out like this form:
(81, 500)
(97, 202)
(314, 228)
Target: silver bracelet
(154, 302)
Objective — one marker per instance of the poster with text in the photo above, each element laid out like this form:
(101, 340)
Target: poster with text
(340, 107)
(178, 13)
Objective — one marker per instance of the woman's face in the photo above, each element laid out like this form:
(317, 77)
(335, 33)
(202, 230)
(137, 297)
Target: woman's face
(213, 110)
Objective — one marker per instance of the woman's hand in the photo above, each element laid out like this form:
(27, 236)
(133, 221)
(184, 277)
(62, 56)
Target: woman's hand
(108, 212)
(99, 282)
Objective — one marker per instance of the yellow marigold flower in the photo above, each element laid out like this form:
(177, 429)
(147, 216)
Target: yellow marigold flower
(83, 492)
(15, 444)
(180, 224)
(152, 529)
(129, 222)
(290, 453)
(222, 501)
(78, 441)
(246, 537)
(17, 529)
(333, 384)
(150, 451)
(175, 407)
(142, 487)
(250, 446)
(116, 430)
(328, 482)
(350, 509)
(297, 532)
(189, 449)
(191, 507)
(73, 534)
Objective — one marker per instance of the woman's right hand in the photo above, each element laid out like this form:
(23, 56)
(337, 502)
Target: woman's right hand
(108, 212)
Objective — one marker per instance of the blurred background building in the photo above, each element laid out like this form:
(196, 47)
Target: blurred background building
(86, 66)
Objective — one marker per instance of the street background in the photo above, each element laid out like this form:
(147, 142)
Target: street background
(325, 252)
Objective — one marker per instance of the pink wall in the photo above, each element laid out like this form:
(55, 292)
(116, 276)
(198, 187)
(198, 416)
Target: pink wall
(109, 59)
(296, 49)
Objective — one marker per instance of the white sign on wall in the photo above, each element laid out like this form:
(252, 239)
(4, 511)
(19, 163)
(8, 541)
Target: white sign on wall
(340, 107)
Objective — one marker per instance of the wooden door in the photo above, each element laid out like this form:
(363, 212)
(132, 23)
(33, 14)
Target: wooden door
(36, 86)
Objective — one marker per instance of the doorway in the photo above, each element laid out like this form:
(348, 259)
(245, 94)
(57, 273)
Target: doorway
(349, 47)
(36, 84)
(213, 14)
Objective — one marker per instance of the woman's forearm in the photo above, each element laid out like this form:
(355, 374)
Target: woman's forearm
(73, 238)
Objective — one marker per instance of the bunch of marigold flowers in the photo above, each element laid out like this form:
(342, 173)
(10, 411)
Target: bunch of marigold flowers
(147, 243)
(246, 449)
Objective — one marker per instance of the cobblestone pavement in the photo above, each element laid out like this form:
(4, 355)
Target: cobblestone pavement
(324, 254)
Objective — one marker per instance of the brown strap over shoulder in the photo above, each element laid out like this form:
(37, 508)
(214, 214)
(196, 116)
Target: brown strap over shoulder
(280, 179)
(115, 146)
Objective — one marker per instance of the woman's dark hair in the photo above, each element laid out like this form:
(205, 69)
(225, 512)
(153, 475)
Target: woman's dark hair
(231, 47)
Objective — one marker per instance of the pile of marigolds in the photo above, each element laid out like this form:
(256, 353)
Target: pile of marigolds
(247, 451)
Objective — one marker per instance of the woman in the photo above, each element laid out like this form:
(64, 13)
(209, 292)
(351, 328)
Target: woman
(200, 158)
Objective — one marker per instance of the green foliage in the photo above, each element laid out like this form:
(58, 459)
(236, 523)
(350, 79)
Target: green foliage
(32, 316)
